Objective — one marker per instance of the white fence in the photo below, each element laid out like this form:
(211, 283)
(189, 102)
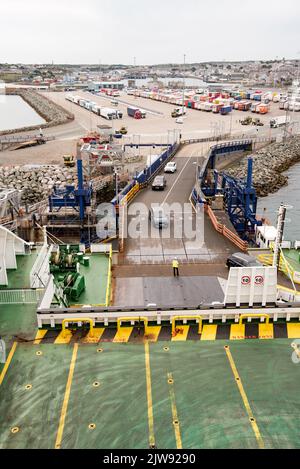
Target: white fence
(40, 271)
(48, 294)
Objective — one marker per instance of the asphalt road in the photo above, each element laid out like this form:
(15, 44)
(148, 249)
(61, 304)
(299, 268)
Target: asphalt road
(153, 246)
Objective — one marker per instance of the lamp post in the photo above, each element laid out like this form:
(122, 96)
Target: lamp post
(183, 87)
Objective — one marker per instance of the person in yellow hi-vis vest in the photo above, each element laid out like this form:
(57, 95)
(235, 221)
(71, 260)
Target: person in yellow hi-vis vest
(175, 265)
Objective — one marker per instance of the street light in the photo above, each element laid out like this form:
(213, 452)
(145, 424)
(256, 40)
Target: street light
(183, 83)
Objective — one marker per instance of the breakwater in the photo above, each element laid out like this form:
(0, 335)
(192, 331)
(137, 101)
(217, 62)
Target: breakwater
(268, 165)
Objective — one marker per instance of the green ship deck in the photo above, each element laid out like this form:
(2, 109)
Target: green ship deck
(166, 394)
(122, 389)
(96, 278)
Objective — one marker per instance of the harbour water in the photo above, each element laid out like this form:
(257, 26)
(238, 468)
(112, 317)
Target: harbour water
(289, 195)
(15, 113)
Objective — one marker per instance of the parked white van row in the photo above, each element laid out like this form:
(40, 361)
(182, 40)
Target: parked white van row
(106, 112)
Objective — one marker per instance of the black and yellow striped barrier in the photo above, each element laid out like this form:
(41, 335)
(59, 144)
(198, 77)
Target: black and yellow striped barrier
(156, 333)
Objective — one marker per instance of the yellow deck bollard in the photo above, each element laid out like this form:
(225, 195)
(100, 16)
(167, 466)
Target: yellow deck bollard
(67, 320)
(133, 318)
(253, 315)
(177, 318)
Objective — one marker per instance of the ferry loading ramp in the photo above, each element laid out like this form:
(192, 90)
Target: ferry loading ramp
(212, 248)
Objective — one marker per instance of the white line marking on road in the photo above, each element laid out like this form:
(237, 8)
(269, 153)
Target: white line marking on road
(172, 187)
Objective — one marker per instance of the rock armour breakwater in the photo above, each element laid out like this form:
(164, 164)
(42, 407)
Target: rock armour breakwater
(36, 182)
(268, 165)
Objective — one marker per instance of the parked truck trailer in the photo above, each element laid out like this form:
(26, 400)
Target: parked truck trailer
(136, 112)
(279, 121)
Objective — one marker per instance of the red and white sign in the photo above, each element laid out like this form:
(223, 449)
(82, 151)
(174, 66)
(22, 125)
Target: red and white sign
(258, 280)
(245, 280)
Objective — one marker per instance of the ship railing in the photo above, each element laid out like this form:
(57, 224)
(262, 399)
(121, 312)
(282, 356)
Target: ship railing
(210, 313)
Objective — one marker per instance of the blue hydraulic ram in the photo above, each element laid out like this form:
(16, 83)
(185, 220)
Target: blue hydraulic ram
(78, 199)
(241, 202)
(240, 197)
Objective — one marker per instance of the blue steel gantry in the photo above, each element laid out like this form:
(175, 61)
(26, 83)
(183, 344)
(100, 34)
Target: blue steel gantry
(240, 198)
(78, 198)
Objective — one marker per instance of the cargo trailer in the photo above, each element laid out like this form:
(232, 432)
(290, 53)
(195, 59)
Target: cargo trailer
(253, 107)
(294, 106)
(225, 110)
(134, 112)
(107, 113)
(76, 99)
(279, 121)
(208, 107)
(262, 109)
(216, 107)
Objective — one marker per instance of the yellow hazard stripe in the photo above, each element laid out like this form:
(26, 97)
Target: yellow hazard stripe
(237, 332)
(94, 337)
(123, 334)
(293, 330)
(209, 332)
(64, 337)
(153, 333)
(181, 333)
(265, 331)
(40, 334)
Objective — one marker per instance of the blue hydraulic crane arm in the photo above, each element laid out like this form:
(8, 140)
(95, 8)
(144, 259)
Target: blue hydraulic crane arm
(70, 196)
(80, 192)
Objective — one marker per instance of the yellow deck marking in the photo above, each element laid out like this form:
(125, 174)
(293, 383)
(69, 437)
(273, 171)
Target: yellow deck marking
(209, 332)
(265, 331)
(153, 333)
(245, 399)
(40, 334)
(63, 337)
(176, 423)
(64, 408)
(237, 331)
(7, 363)
(123, 334)
(181, 333)
(293, 330)
(149, 397)
(95, 338)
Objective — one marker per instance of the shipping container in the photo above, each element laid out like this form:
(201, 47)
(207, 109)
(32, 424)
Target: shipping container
(208, 107)
(216, 108)
(262, 109)
(225, 110)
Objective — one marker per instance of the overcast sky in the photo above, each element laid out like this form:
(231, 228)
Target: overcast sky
(153, 31)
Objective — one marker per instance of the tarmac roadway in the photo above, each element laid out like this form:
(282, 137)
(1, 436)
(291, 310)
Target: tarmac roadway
(153, 246)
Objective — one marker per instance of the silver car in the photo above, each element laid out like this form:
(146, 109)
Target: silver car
(158, 217)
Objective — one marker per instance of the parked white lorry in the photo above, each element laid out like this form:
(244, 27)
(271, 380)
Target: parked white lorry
(279, 121)
(109, 113)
